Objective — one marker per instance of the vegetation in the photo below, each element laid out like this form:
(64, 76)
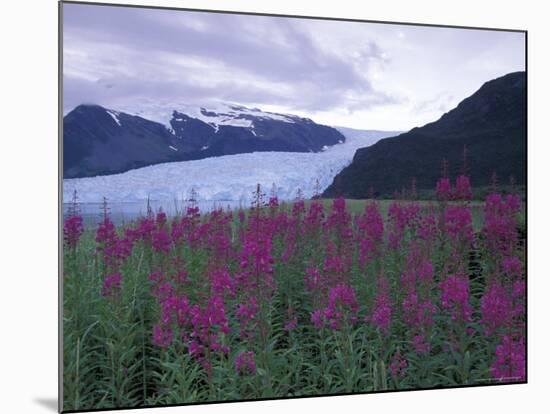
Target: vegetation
(302, 298)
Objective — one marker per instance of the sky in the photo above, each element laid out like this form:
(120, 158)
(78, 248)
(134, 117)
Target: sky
(353, 74)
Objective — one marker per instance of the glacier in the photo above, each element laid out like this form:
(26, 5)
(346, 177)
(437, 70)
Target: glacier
(227, 178)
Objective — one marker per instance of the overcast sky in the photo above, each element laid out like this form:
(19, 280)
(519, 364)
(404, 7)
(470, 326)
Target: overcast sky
(361, 75)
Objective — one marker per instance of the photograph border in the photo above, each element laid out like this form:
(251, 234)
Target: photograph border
(264, 14)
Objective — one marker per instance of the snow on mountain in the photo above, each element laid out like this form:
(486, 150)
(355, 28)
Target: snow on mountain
(228, 177)
(114, 115)
(214, 114)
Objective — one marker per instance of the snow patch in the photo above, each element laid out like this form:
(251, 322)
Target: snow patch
(214, 114)
(114, 115)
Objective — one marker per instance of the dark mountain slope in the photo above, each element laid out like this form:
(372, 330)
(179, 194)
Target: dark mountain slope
(100, 141)
(491, 123)
(97, 143)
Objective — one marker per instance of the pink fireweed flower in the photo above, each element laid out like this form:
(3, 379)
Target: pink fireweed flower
(107, 239)
(145, 228)
(291, 324)
(312, 279)
(273, 202)
(256, 261)
(338, 223)
(161, 241)
(298, 208)
(73, 227)
(281, 223)
(164, 290)
(161, 218)
(336, 270)
(510, 363)
(221, 283)
(218, 237)
(314, 219)
(512, 266)
(455, 292)
(123, 249)
(131, 234)
(367, 251)
(398, 365)
(246, 313)
(208, 323)
(371, 222)
(458, 223)
(381, 314)
(176, 310)
(242, 216)
(419, 269)
(196, 350)
(463, 189)
(317, 319)
(182, 278)
(106, 231)
(427, 229)
(115, 250)
(157, 279)
(177, 230)
(244, 363)
(443, 189)
(342, 307)
(198, 234)
(418, 313)
(425, 272)
(500, 222)
(371, 227)
(513, 203)
(421, 346)
(397, 223)
(292, 233)
(193, 211)
(162, 336)
(111, 284)
(518, 299)
(496, 308)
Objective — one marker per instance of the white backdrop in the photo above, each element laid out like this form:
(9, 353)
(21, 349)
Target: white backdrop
(28, 229)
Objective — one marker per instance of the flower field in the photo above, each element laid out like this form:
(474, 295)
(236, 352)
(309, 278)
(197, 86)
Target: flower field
(294, 299)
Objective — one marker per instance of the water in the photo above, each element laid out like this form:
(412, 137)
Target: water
(123, 212)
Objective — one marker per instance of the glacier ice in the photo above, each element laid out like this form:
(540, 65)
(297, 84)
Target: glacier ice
(229, 177)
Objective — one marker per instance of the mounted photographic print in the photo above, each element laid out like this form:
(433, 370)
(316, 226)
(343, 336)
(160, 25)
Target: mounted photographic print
(266, 206)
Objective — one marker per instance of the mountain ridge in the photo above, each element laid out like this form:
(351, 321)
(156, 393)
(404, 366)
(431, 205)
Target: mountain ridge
(103, 141)
(490, 124)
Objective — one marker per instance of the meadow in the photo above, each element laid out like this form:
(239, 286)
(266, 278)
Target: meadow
(287, 299)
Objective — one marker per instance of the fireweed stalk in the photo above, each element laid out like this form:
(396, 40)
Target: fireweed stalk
(255, 283)
(417, 306)
(73, 225)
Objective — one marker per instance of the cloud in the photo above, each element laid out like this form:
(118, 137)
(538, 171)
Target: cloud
(362, 75)
(441, 103)
(113, 55)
